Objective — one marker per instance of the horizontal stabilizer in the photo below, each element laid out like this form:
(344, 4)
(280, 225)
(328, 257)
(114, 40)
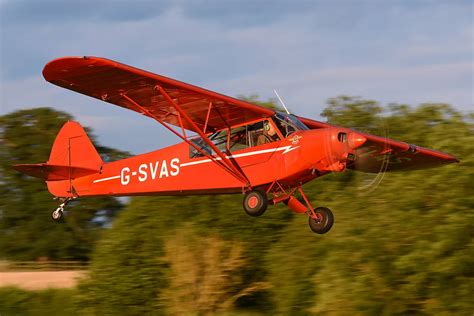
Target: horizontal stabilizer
(49, 172)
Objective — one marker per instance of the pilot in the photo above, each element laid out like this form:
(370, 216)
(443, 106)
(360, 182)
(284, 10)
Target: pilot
(269, 134)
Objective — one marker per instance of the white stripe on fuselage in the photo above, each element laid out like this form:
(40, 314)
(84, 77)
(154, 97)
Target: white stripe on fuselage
(251, 153)
(107, 179)
(285, 149)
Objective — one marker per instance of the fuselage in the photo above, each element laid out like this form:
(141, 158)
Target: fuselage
(294, 160)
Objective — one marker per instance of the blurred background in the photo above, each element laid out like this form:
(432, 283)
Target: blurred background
(403, 245)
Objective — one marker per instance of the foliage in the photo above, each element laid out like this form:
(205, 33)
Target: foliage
(134, 257)
(254, 99)
(26, 228)
(14, 301)
(404, 246)
(205, 274)
(127, 269)
(353, 112)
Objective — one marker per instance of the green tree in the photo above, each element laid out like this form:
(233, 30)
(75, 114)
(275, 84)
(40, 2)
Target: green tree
(353, 112)
(400, 247)
(205, 274)
(131, 260)
(255, 99)
(405, 247)
(26, 229)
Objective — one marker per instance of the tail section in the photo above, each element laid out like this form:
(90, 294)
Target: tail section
(73, 156)
(73, 148)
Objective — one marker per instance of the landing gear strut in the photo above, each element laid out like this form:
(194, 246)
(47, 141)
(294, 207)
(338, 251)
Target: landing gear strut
(320, 219)
(255, 203)
(58, 214)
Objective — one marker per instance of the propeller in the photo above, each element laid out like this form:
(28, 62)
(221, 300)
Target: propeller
(372, 175)
(348, 148)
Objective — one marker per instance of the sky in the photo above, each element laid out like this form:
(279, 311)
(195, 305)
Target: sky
(393, 51)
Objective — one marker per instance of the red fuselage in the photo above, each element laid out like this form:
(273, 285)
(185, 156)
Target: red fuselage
(297, 159)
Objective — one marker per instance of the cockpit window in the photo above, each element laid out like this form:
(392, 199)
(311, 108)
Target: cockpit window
(219, 139)
(241, 137)
(288, 124)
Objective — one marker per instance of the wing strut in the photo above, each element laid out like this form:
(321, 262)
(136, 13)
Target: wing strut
(228, 163)
(218, 161)
(207, 117)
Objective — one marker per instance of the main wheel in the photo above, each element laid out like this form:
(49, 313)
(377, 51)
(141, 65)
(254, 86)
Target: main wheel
(324, 220)
(255, 203)
(57, 215)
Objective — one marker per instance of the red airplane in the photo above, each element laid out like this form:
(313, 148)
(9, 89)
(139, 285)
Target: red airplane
(229, 145)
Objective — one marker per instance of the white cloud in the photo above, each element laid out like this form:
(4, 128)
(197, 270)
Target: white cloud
(398, 54)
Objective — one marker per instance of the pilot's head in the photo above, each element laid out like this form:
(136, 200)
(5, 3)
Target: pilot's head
(268, 128)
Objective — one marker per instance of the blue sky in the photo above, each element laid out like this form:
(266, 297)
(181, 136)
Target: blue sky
(391, 51)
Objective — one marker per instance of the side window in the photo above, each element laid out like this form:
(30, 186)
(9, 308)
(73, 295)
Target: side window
(219, 139)
(238, 138)
(241, 137)
(263, 132)
(254, 132)
(194, 153)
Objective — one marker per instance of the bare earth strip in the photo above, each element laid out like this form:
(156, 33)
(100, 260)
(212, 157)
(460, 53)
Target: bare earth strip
(41, 280)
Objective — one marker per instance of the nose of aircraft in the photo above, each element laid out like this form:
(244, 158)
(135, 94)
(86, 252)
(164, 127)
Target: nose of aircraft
(355, 140)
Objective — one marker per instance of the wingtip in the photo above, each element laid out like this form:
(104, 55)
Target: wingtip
(452, 159)
(56, 68)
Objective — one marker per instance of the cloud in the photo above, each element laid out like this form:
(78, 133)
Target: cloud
(54, 11)
(309, 51)
(306, 91)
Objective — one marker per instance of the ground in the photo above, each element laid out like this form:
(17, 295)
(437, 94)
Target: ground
(40, 279)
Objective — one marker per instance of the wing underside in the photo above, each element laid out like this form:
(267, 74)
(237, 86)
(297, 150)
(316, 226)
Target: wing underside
(140, 91)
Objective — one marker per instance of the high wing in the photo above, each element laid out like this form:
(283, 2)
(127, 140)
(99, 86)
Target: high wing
(193, 108)
(126, 86)
(166, 100)
(384, 154)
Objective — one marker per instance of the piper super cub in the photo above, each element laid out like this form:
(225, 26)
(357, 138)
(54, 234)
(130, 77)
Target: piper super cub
(229, 145)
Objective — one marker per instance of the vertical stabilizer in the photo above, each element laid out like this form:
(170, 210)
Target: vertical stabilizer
(73, 156)
(73, 148)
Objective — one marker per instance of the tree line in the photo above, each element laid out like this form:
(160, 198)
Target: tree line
(400, 246)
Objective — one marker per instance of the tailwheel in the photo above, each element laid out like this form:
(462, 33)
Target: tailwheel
(323, 221)
(255, 203)
(58, 214)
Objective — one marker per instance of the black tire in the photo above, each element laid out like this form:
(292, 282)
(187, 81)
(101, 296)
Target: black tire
(325, 222)
(255, 203)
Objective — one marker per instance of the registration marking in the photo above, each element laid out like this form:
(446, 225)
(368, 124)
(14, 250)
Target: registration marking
(285, 149)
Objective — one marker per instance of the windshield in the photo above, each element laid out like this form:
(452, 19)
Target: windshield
(288, 123)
